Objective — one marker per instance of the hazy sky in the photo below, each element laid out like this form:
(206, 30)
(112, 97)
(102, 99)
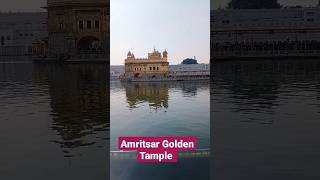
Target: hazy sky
(180, 26)
(222, 3)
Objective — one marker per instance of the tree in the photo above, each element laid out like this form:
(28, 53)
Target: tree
(189, 61)
(254, 4)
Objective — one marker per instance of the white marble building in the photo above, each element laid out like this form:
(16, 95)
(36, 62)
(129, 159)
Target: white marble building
(265, 25)
(18, 30)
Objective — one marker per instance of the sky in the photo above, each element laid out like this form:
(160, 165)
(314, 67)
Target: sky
(222, 3)
(179, 26)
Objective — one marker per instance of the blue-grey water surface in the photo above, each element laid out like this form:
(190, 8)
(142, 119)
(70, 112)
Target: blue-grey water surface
(265, 120)
(160, 109)
(54, 121)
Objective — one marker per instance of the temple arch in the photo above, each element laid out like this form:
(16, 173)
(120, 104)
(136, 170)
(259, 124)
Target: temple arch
(89, 43)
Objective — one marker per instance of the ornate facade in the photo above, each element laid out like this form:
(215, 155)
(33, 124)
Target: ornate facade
(155, 66)
(78, 28)
(272, 33)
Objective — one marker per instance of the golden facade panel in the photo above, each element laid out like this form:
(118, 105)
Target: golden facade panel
(156, 65)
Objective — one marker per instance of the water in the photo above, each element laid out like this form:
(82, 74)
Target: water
(160, 109)
(54, 121)
(265, 120)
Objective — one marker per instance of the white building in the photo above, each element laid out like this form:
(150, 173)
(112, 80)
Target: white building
(189, 67)
(18, 30)
(116, 71)
(261, 25)
(265, 33)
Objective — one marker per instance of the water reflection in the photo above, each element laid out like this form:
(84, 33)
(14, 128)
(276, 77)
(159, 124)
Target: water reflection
(57, 114)
(80, 104)
(254, 87)
(160, 109)
(264, 118)
(156, 94)
(188, 90)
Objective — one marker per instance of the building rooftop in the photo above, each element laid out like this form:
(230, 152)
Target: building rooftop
(75, 2)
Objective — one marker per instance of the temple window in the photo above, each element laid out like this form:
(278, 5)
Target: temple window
(158, 68)
(61, 25)
(97, 25)
(80, 24)
(154, 68)
(88, 24)
(2, 40)
(150, 68)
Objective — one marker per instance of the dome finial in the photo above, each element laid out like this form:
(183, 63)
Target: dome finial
(165, 53)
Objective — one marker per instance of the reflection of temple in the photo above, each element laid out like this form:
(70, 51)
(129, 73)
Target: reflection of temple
(258, 87)
(155, 66)
(156, 94)
(78, 28)
(251, 81)
(80, 104)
